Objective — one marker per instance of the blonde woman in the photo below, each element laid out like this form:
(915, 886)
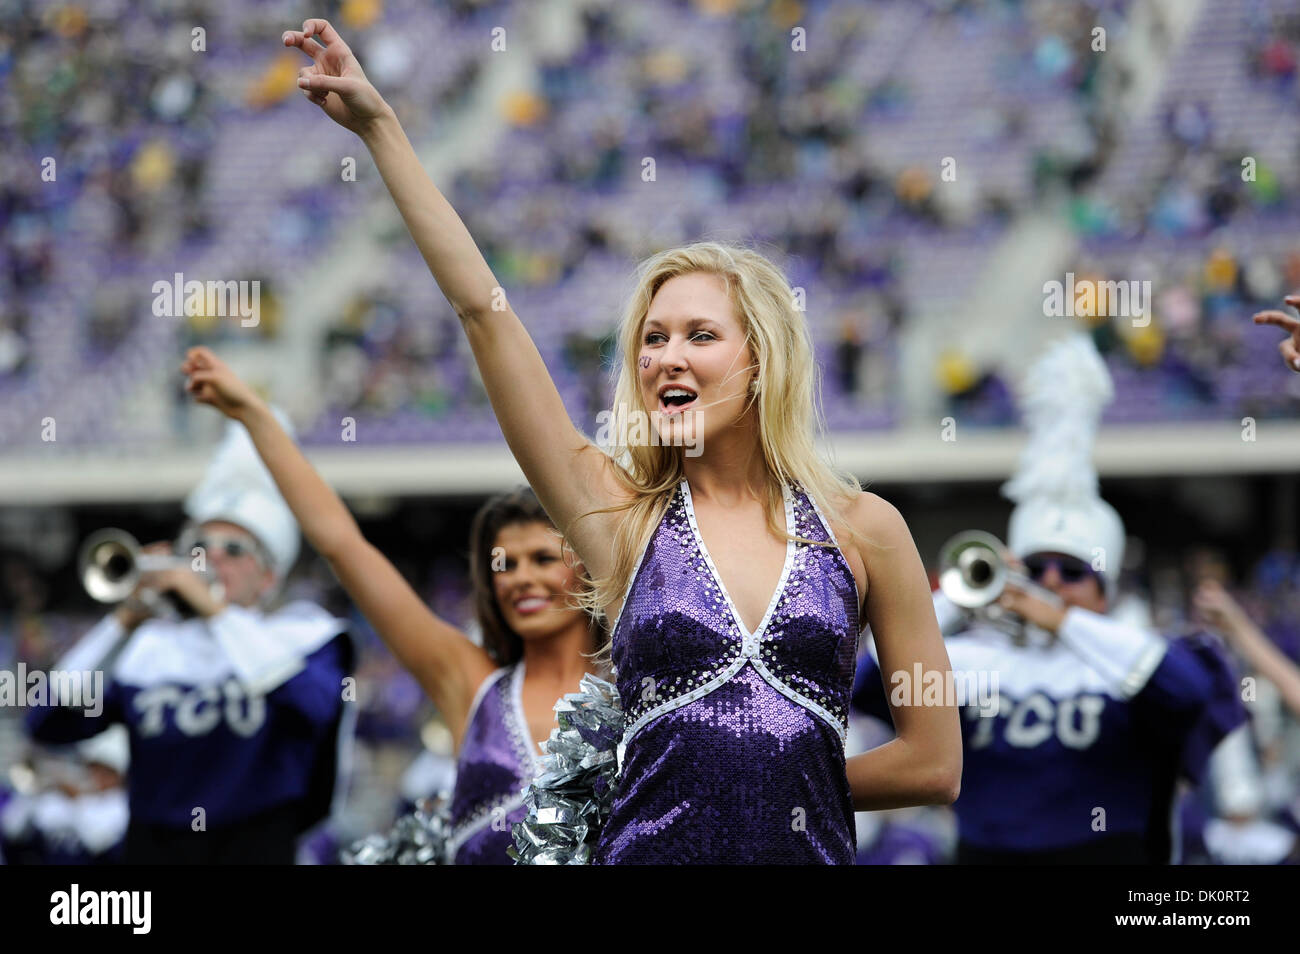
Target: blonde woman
(737, 568)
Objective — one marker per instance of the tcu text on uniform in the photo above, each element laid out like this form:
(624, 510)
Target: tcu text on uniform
(197, 711)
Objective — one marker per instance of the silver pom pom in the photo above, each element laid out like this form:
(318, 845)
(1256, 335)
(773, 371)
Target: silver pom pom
(570, 801)
(419, 838)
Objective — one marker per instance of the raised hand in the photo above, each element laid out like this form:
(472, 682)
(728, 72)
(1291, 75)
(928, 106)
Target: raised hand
(335, 81)
(212, 382)
(1289, 347)
(1218, 608)
(572, 477)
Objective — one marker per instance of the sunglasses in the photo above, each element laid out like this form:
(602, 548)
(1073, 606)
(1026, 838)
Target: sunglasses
(233, 547)
(1070, 569)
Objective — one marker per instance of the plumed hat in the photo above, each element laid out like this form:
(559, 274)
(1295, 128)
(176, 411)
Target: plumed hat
(1055, 486)
(238, 488)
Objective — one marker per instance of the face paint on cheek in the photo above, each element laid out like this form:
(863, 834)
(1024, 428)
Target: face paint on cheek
(644, 360)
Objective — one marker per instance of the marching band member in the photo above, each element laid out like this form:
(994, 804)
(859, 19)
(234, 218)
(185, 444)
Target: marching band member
(235, 714)
(77, 814)
(1075, 759)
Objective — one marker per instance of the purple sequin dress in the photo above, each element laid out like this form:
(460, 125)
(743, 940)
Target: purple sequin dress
(733, 750)
(497, 761)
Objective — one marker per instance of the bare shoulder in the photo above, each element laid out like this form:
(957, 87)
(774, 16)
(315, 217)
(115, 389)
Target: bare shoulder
(875, 518)
(875, 523)
(886, 555)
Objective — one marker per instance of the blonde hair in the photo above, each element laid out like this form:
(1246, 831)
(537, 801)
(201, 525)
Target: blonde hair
(788, 402)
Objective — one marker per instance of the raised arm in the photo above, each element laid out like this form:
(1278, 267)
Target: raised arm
(1225, 614)
(569, 475)
(922, 765)
(444, 661)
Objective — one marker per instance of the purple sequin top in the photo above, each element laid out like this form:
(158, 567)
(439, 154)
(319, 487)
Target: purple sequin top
(497, 761)
(733, 749)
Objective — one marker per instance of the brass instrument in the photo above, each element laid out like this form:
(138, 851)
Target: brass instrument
(111, 563)
(973, 573)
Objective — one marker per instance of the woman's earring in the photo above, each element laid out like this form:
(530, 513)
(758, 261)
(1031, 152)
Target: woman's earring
(753, 385)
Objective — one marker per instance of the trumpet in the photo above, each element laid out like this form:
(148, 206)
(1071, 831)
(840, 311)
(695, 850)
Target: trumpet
(112, 561)
(973, 573)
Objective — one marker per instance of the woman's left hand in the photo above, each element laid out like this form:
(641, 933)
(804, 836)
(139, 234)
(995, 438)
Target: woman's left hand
(1289, 347)
(335, 81)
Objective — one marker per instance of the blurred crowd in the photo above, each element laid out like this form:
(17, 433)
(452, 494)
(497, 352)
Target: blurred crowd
(664, 121)
(672, 120)
(1191, 353)
(139, 140)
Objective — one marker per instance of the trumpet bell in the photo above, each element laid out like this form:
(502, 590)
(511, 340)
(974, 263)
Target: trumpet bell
(972, 572)
(109, 565)
(111, 562)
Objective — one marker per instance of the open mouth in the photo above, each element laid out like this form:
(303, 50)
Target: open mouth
(531, 604)
(674, 399)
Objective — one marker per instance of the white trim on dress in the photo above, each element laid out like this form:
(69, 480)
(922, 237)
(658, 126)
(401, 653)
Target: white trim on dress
(757, 635)
(750, 642)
